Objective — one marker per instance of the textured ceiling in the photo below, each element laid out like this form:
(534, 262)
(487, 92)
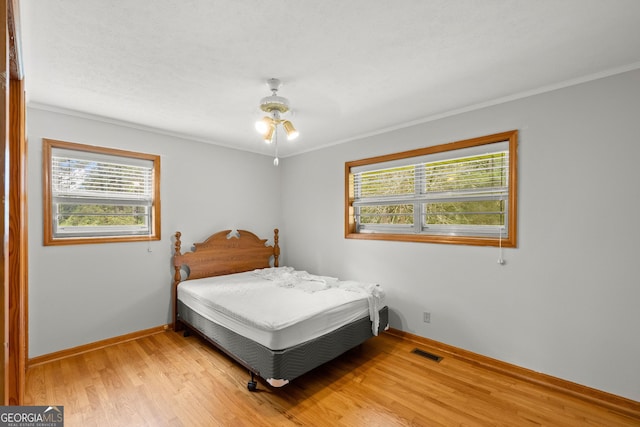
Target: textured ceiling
(197, 68)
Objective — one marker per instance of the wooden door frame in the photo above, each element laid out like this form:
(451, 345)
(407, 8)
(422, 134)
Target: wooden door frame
(13, 225)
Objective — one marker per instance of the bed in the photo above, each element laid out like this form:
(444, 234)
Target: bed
(277, 322)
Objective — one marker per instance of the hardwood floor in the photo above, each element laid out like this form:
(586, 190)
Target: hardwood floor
(167, 380)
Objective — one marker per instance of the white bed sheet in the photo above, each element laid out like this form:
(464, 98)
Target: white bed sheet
(273, 312)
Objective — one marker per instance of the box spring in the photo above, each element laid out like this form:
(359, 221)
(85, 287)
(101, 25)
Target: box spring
(287, 364)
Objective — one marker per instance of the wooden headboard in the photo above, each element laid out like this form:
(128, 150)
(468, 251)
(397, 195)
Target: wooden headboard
(222, 253)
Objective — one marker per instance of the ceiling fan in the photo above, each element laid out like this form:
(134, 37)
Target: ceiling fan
(275, 106)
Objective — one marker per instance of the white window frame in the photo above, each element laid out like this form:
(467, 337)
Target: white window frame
(147, 166)
(418, 231)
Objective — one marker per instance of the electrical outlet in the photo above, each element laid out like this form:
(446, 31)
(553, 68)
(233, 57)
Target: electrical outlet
(426, 317)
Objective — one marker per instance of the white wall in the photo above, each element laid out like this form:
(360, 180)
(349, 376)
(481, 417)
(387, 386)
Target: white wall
(566, 301)
(85, 293)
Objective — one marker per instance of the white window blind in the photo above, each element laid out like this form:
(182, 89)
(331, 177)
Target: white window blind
(100, 194)
(459, 192)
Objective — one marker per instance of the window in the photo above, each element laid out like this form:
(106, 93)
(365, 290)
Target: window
(94, 194)
(463, 192)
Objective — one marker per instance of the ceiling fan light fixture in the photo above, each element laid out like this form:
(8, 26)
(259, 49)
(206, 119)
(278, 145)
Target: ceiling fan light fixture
(268, 135)
(291, 131)
(275, 106)
(263, 125)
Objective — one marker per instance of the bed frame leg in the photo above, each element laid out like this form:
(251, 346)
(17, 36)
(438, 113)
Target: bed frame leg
(252, 385)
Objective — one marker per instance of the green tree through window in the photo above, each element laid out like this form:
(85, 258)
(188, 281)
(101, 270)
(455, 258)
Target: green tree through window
(459, 192)
(96, 194)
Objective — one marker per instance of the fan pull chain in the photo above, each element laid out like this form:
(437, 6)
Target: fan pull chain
(276, 160)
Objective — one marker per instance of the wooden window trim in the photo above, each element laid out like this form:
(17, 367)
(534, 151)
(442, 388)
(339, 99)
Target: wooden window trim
(509, 242)
(49, 240)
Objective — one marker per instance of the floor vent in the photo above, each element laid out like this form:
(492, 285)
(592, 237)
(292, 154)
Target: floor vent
(426, 355)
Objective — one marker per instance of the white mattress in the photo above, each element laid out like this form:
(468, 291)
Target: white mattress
(279, 307)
